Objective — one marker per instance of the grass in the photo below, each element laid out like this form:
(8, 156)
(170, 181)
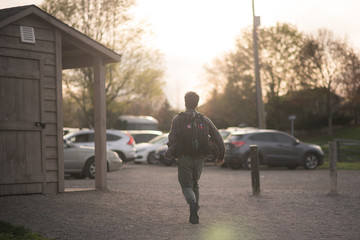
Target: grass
(10, 232)
(342, 165)
(352, 133)
(352, 161)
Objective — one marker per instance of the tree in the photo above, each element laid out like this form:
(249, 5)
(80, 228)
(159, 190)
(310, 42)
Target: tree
(322, 65)
(279, 47)
(232, 86)
(309, 107)
(71, 113)
(291, 64)
(165, 115)
(351, 84)
(109, 22)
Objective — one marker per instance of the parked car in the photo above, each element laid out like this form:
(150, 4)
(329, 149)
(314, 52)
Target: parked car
(275, 148)
(146, 151)
(122, 143)
(159, 155)
(141, 136)
(225, 133)
(210, 155)
(79, 161)
(67, 130)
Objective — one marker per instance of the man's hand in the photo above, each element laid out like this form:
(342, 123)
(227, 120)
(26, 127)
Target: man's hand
(219, 162)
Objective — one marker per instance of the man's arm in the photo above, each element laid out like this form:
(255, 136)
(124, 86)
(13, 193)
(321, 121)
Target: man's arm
(171, 151)
(216, 136)
(172, 133)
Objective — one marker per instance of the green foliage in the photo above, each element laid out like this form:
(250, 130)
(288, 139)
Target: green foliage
(165, 115)
(280, 46)
(342, 165)
(231, 109)
(10, 232)
(346, 133)
(308, 105)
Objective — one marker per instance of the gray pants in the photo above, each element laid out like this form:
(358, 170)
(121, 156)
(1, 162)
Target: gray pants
(189, 172)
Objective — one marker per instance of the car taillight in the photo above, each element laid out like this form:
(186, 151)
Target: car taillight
(238, 143)
(131, 141)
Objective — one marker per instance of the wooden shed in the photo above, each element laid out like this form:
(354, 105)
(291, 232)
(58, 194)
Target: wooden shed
(34, 48)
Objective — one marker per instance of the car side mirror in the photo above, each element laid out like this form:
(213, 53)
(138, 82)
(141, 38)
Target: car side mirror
(68, 144)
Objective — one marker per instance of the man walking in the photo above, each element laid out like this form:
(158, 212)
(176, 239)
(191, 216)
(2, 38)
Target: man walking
(189, 142)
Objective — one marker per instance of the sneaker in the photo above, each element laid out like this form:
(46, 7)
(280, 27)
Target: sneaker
(194, 218)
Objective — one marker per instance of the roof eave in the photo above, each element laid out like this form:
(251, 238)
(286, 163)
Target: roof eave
(108, 55)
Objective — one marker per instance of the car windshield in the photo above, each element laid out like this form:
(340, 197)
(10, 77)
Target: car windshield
(159, 139)
(224, 134)
(236, 137)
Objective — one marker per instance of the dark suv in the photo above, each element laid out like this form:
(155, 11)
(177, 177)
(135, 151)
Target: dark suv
(275, 148)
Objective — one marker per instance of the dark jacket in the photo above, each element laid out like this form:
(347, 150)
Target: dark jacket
(213, 132)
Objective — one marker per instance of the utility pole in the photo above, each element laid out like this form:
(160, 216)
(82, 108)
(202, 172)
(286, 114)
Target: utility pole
(259, 100)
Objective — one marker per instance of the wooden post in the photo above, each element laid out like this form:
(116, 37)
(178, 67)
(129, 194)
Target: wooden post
(333, 168)
(255, 179)
(59, 110)
(100, 124)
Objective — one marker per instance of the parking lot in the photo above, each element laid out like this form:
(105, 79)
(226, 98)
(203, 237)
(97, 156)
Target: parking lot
(145, 202)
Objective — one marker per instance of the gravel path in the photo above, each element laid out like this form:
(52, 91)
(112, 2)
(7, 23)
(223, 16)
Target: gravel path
(145, 202)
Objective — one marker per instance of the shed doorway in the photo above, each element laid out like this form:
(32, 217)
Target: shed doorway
(21, 124)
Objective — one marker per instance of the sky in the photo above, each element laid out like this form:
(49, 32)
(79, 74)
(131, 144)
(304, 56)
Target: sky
(191, 33)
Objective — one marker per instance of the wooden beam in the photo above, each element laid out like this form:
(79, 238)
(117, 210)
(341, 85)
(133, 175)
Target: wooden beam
(72, 53)
(42, 119)
(100, 124)
(59, 110)
(77, 62)
(86, 43)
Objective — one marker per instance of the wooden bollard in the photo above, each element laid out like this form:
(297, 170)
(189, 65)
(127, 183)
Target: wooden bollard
(333, 154)
(255, 179)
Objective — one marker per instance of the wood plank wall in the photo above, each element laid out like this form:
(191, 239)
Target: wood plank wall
(44, 50)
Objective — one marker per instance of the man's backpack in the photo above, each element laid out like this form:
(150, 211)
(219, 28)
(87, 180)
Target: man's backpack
(193, 134)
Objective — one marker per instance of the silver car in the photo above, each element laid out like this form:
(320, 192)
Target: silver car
(146, 151)
(79, 161)
(275, 148)
(142, 136)
(116, 140)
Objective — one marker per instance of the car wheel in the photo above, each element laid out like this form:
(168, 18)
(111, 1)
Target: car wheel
(235, 163)
(122, 156)
(311, 161)
(90, 168)
(152, 159)
(224, 165)
(247, 162)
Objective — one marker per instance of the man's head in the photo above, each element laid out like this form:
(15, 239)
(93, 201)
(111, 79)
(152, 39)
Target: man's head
(191, 100)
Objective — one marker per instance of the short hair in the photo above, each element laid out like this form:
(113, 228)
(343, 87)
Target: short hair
(191, 100)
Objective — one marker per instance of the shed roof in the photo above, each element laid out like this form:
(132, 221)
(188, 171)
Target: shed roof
(77, 48)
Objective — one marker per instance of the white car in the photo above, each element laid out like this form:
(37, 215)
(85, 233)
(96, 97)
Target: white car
(146, 151)
(79, 161)
(141, 136)
(122, 143)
